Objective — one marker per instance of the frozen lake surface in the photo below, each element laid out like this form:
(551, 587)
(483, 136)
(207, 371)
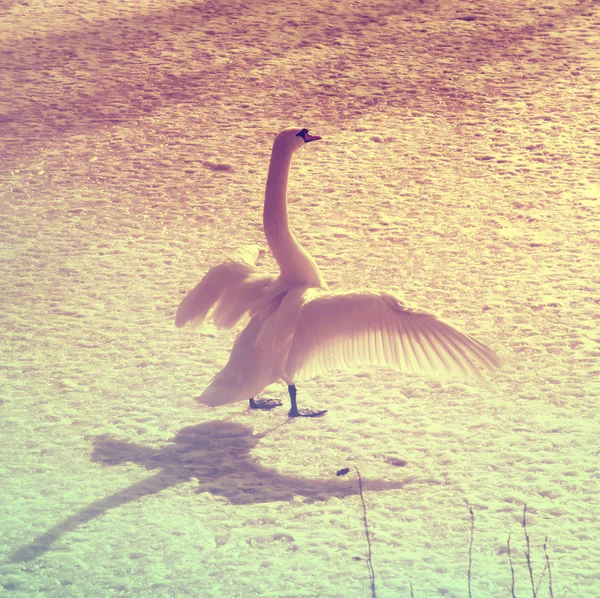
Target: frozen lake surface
(458, 169)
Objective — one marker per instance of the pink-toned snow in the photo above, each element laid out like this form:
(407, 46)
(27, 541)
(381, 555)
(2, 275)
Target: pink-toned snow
(458, 169)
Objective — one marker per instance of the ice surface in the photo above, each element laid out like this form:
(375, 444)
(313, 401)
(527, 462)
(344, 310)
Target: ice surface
(458, 169)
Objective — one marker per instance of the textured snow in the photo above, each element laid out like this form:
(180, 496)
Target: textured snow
(458, 169)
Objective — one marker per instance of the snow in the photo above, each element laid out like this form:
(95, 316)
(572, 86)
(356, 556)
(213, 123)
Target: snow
(458, 169)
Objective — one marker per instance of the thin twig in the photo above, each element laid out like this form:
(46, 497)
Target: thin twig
(528, 552)
(369, 559)
(412, 594)
(512, 569)
(471, 549)
(549, 569)
(539, 583)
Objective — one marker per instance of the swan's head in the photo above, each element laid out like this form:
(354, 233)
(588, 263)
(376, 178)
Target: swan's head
(293, 139)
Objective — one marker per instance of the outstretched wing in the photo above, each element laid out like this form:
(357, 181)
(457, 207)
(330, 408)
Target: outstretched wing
(365, 328)
(235, 288)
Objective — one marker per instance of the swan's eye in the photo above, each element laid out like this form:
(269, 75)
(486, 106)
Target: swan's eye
(302, 133)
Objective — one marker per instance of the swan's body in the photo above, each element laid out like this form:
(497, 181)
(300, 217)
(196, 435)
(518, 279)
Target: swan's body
(298, 329)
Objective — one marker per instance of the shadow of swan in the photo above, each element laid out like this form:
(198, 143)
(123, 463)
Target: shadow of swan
(217, 454)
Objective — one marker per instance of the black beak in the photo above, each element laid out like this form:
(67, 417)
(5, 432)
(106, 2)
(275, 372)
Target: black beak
(307, 137)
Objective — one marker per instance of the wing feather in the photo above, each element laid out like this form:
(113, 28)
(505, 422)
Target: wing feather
(416, 346)
(407, 347)
(407, 341)
(373, 345)
(428, 355)
(438, 348)
(401, 346)
(379, 334)
(388, 344)
(366, 328)
(469, 349)
(460, 363)
(347, 348)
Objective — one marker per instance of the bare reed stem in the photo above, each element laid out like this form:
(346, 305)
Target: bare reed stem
(528, 552)
(512, 569)
(369, 555)
(471, 549)
(549, 569)
(539, 583)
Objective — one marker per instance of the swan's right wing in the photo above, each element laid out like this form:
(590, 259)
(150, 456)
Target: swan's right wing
(234, 288)
(365, 328)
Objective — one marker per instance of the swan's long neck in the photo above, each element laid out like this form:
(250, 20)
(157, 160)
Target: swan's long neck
(295, 263)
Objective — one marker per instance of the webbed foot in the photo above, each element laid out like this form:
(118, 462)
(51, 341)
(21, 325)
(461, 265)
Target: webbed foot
(295, 412)
(266, 404)
(307, 412)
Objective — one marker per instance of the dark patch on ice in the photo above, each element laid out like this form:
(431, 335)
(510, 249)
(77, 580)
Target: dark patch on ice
(396, 462)
(217, 166)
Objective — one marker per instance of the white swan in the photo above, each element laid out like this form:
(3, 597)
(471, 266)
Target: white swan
(298, 329)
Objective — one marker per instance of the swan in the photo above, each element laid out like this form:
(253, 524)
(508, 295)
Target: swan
(296, 328)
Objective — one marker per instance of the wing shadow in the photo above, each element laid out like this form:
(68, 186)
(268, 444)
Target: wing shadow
(217, 454)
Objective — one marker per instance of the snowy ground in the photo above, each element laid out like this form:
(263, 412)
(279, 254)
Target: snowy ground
(459, 169)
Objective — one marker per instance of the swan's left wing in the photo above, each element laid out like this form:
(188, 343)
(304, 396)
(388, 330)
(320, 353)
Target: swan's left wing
(365, 328)
(235, 289)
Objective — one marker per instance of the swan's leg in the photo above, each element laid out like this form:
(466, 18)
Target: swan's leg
(264, 403)
(303, 412)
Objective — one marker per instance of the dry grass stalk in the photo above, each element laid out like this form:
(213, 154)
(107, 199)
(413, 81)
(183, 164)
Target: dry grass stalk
(549, 568)
(528, 551)
(369, 554)
(512, 569)
(471, 550)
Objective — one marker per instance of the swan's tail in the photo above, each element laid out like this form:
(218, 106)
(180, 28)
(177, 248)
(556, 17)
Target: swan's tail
(223, 389)
(249, 370)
